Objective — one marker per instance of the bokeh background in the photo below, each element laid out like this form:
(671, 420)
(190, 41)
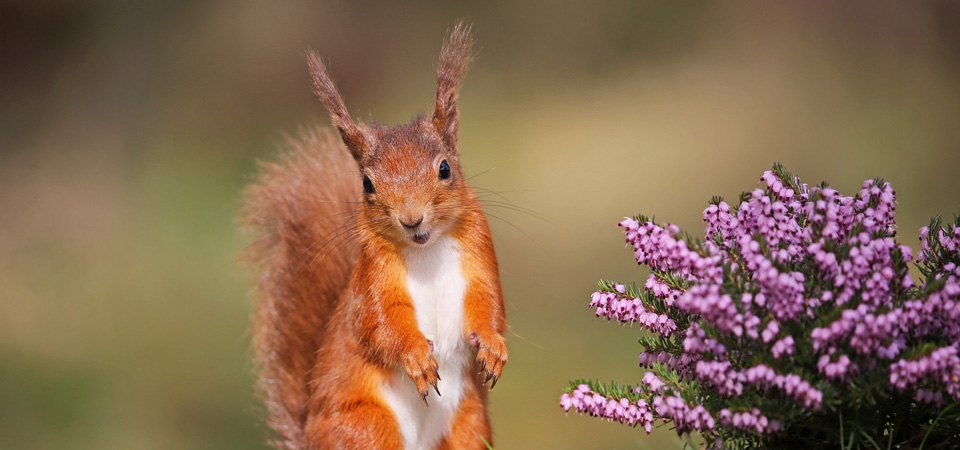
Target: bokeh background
(128, 130)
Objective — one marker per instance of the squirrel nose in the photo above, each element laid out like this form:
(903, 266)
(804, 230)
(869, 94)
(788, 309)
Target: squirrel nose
(410, 221)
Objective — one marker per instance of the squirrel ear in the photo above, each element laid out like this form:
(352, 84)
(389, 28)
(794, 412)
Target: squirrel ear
(357, 141)
(454, 59)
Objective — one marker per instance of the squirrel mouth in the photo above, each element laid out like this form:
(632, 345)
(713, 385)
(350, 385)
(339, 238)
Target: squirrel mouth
(422, 237)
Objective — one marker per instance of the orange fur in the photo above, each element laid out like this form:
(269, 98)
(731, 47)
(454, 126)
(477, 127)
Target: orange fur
(471, 426)
(335, 317)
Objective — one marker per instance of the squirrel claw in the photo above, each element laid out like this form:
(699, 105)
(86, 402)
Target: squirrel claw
(423, 369)
(491, 357)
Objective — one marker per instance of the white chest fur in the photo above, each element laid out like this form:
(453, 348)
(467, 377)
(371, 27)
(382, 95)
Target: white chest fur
(437, 287)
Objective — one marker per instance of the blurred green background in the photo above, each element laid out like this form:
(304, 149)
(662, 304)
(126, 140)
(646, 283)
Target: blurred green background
(129, 128)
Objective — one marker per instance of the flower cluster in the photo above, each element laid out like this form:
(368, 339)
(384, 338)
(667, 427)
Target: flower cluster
(620, 410)
(624, 308)
(795, 314)
(941, 367)
(750, 419)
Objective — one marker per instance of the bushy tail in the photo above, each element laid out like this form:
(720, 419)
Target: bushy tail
(301, 210)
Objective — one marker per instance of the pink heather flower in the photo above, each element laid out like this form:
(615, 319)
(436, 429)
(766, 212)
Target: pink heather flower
(659, 248)
(618, 306)
(621, 410)
(793, 275)
(929, 396)
(750, 419)
(836, 368)
(696, 342)
(680, 364)
(761, 375)
(783, 346)
(808, 396)
(652, 381)
(770, 332)
(720, 375)
(729, 382)
(661, 290)
(941, 368)
(656, 286)
(684, 417)
(714, 307)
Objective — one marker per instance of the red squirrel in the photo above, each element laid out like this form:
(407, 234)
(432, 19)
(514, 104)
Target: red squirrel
(377, 281)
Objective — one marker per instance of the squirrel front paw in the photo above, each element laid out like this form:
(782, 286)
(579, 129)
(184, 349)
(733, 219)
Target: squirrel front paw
(491, 354)
(423, 369)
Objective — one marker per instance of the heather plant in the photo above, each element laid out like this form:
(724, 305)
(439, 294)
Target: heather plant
(795, 323)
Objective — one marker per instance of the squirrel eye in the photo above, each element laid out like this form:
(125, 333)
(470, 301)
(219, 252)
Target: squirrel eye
(444, 170)
(367, 185)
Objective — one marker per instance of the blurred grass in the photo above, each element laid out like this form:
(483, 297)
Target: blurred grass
(127, 131)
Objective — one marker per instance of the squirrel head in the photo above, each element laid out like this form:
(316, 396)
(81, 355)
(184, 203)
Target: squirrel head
(413, 187)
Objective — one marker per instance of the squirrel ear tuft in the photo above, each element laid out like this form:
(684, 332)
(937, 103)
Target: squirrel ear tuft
(454, 59)
(357, 141)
